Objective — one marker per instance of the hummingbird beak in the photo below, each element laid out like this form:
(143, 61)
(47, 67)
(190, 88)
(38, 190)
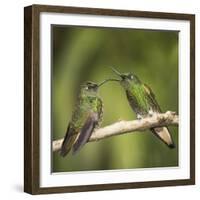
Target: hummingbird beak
(105, 81)
(117, 72)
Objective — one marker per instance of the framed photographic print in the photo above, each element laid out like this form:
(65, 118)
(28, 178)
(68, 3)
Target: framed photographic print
(109, 99)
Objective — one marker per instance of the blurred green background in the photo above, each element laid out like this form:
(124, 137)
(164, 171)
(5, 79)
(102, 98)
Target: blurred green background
(83, 53)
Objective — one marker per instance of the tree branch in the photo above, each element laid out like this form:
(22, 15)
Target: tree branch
(122, 127)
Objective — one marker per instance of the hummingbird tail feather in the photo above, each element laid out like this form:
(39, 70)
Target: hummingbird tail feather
(163, 134)
(67, 145)
(69, 139)
(64, 151)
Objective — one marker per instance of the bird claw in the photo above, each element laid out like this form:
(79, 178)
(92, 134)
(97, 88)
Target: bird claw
(139, 117)
(151, 113)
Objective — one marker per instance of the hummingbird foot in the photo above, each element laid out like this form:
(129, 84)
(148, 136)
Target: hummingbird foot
(139, 117)
(151, 113)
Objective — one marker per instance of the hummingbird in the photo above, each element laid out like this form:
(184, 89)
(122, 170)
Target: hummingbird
(143, 102)
(86, 116)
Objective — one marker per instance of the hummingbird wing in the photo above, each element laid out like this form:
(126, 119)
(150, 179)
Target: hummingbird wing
(86, 131)
(69, 140)
(152, 98)
(161, 132)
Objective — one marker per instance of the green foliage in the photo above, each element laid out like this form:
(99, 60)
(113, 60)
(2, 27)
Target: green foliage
(82, 54)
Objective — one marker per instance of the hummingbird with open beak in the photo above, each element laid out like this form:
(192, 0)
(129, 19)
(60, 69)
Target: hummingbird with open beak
(86, 116)
(143, 102)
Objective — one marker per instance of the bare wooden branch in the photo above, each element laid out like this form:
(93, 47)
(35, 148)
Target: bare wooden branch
(122, 127)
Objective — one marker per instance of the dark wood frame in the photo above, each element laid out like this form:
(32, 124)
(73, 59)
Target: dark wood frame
(31, 98)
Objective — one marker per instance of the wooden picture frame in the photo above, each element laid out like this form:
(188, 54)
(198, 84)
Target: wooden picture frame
(32, 98)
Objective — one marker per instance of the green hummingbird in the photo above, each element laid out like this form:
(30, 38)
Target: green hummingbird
(143, 102)
(86, 116)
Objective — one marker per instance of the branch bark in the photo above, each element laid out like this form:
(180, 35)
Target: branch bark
(122, 127)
